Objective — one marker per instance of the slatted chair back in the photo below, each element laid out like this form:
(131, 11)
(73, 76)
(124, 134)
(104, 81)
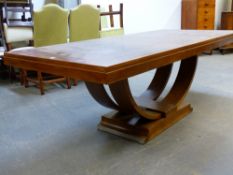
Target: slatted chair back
(112, 29)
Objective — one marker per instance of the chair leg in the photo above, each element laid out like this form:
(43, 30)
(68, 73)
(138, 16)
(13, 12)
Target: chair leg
(31, 43)
(26, 85)
(68, 83)
(12, 74)
(22, 77)
(75, 82)
(40, 80)
(9, 46)
(221, 51)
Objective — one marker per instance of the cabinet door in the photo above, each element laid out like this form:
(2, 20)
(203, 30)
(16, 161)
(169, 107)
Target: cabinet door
(206, 14)
(227, 21)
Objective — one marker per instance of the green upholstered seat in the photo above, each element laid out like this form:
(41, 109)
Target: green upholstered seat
(84, 23)
(50, 25)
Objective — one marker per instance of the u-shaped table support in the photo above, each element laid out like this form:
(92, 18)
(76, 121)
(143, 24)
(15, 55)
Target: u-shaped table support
(146, 116)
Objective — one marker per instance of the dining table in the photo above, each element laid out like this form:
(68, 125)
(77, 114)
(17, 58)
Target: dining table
(110, 63)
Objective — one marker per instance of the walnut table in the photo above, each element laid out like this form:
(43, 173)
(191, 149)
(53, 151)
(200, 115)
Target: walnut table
(112, 61)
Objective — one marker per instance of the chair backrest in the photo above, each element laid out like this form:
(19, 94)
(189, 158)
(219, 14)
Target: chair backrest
(84, 23)
(25, 7)
(111, 14)
(112, 29)
(50, 25)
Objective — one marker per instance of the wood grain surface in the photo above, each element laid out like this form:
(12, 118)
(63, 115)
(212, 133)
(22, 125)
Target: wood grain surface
(108, 60)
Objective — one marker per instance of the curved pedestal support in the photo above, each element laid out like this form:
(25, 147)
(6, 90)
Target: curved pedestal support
(143, 118)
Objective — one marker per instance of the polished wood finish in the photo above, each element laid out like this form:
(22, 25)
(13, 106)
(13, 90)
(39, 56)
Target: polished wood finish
(113, 60)
(198, 14)
(136, 128)
(155, 116)
(108, 60)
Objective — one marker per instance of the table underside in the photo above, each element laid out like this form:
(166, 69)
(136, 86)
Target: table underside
(144, 117)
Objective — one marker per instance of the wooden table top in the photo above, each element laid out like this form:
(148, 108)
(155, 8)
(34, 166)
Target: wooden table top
(111, 59)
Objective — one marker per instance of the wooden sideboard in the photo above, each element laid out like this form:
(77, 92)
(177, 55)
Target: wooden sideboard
(227, 21)
(198, 14)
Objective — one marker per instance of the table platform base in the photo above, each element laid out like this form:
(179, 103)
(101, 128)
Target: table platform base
(139, 129)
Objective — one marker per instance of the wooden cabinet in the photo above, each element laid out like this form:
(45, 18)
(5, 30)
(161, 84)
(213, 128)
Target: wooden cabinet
(227, 24)
(227, 21)
(198, 14)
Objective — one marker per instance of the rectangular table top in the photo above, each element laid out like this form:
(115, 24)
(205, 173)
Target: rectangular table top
(107, 60)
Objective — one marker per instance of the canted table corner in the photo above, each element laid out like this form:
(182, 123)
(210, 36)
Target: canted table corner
(113, 60)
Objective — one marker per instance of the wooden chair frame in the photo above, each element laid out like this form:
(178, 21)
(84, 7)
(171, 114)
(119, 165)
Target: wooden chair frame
(22, 6)
(111, 13)
(42, 78)
(14, 6)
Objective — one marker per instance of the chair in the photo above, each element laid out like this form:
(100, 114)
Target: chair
(50, 27)
(84, 23)
(16, 28)
(15, 6)
(111, 30)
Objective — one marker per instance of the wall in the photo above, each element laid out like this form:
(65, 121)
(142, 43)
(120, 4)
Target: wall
(147, 15)
(150, 14)
(70, 4)
(67, 3)
(39, 3)
(156, 14)
(229, 4)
